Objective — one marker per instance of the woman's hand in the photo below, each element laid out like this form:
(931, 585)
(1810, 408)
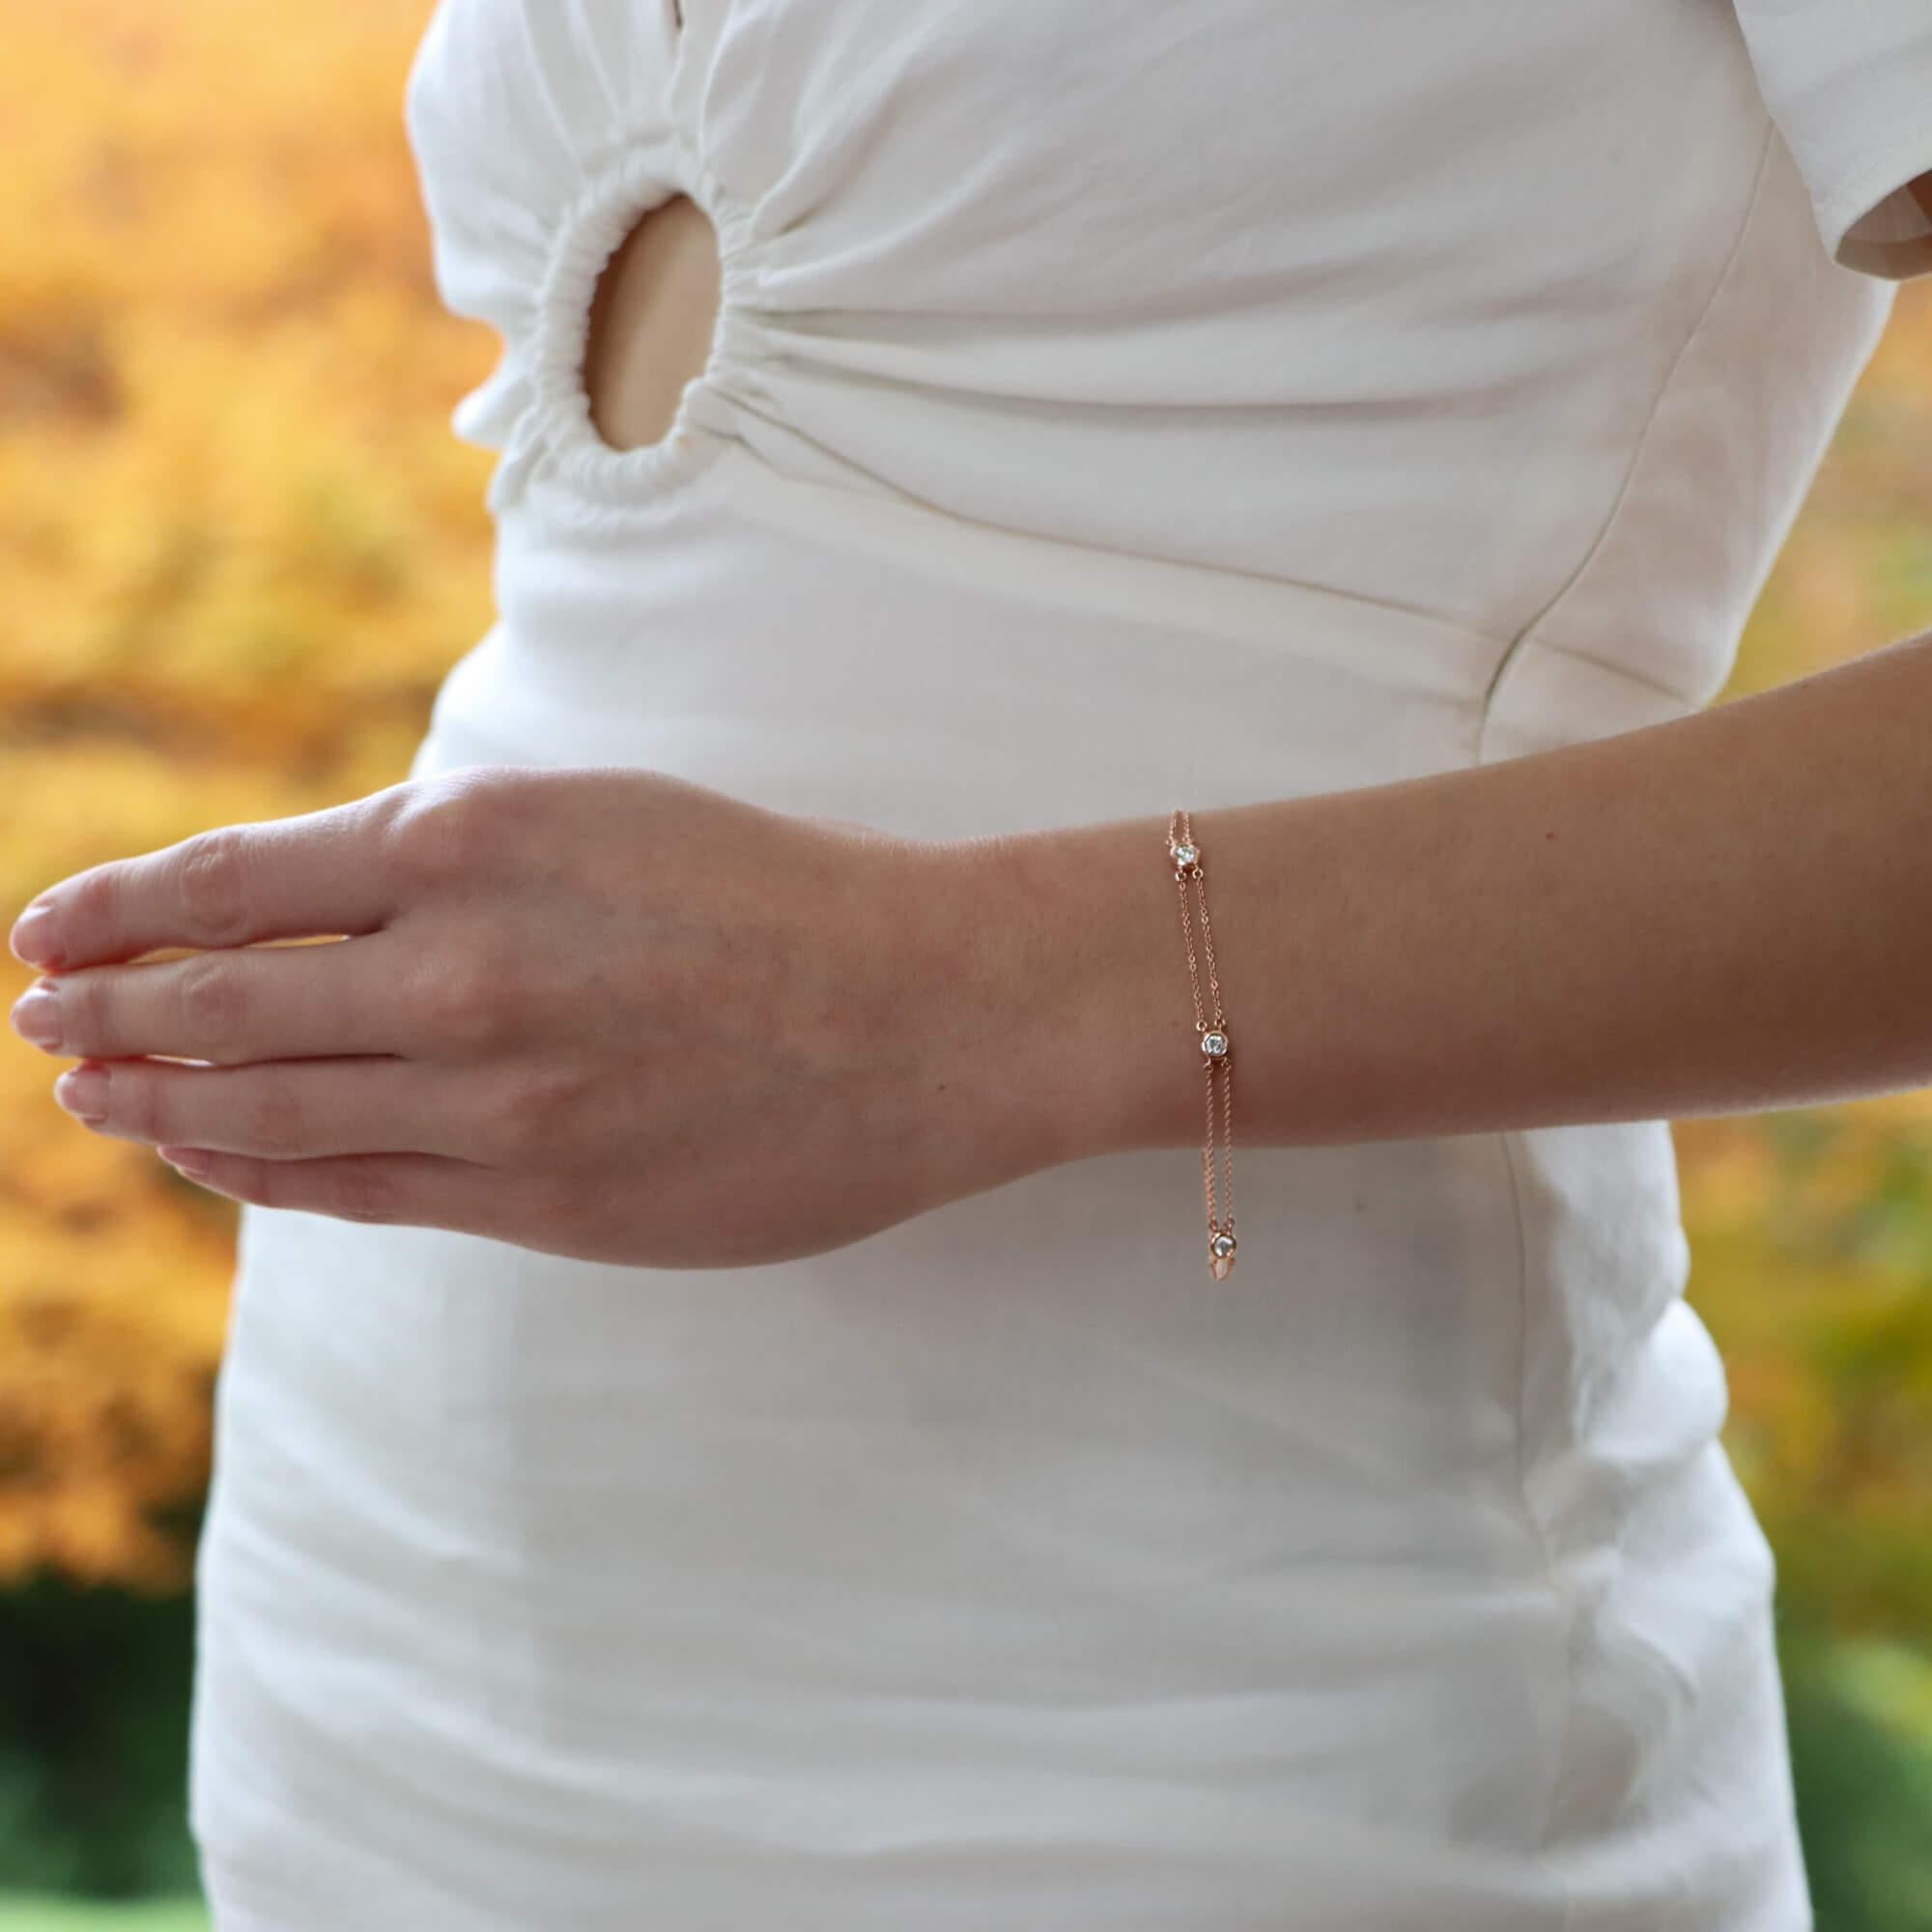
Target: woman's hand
(594, 1011)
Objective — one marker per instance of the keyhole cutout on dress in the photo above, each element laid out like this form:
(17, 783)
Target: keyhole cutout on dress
(652, 321)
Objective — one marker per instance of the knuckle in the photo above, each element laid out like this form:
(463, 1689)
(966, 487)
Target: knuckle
(364, 1190)
(466, 998)
(262, 1181)
(88, 922)
(214, 1004)
(139, 1102)
(276, 1121)
(212, 881)
(535, 1111)
(446, 827)
(86, 1024)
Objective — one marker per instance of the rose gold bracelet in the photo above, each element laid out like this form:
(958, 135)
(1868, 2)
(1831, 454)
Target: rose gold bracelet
(1216, 1048)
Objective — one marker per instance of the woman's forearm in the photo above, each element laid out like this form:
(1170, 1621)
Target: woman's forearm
(1723, 913)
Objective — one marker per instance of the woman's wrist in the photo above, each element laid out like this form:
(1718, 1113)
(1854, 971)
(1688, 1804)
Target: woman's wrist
(1720, 912)
(1064, 946)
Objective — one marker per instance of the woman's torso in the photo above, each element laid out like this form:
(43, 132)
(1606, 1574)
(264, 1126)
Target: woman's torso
(1108, 410)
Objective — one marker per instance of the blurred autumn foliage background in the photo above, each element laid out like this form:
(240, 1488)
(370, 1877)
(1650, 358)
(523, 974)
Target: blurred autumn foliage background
(239, 548)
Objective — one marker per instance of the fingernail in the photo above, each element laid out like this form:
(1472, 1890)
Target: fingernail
(191, 1161)
(83, 1092)
(36, 936)
(36, 1016)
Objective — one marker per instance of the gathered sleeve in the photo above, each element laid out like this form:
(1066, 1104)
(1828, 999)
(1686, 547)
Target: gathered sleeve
(1848, 83)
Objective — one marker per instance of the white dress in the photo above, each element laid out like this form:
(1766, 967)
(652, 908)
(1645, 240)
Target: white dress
(1113, 406)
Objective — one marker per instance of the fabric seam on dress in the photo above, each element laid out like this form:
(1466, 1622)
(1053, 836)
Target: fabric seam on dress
(1623, 671)
(1526, 636)
(1508, 1141)
(1506, 1144)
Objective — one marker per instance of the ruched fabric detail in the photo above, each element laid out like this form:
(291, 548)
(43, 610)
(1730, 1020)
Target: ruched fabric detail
(553, 432)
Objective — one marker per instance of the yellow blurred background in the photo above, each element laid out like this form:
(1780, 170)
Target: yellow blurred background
(239, 547)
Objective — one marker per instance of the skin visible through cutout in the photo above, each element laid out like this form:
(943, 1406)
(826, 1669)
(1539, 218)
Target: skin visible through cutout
(651, 324)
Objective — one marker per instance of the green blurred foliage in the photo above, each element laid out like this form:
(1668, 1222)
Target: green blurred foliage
(24, 1913)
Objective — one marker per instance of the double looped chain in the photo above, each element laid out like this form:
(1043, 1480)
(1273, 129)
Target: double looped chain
(1216, 1047)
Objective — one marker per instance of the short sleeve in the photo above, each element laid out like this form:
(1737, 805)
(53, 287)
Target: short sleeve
(1848, 83)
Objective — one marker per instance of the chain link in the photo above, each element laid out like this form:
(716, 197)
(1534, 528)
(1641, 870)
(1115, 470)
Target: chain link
(1208, 1018)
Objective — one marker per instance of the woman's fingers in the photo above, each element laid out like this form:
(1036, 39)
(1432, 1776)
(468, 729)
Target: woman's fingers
(246, 1003)
(416, 1190)
(318, 872)
(301, 1109)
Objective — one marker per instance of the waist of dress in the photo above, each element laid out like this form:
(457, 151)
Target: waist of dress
(829, 650)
